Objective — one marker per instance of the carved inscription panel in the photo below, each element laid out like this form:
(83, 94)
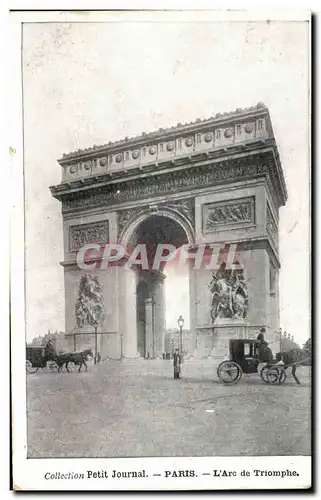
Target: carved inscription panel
(223, 215)
(83, 234)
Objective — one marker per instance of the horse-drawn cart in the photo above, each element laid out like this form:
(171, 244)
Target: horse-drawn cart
(47, 357)
(244, 358)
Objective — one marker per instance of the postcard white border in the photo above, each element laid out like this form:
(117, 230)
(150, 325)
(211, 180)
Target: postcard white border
(54, 474)
(29, 474)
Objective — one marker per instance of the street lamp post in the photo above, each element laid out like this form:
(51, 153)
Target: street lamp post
(96, 326)
(180, 322)
(121, 347)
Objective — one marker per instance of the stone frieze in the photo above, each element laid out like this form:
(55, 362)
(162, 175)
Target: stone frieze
(83, 234)
(168, 183)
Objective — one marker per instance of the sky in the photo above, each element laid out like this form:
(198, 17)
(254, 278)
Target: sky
(91, 83)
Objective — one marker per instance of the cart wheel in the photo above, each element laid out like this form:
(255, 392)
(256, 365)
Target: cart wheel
(30, 368)
(263, 374)
(282, 376)
(272, 376)
(218, 368)
(229, 372)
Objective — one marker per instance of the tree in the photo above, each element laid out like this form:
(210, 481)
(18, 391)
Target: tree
(308, 346)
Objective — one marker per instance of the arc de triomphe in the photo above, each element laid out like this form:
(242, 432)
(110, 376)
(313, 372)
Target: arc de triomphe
(217, 181)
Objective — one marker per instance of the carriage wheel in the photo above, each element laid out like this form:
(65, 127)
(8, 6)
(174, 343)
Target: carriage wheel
(30, 368)
(263, 374)
(229, 372)
(273, 376)
(218, 369)
(224, 363)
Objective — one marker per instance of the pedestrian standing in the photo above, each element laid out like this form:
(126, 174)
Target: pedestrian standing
(177, 361)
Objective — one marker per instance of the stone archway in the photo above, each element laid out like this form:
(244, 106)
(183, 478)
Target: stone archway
(181, 212)
(219, 179)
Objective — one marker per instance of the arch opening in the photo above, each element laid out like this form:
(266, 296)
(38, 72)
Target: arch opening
(162, 294)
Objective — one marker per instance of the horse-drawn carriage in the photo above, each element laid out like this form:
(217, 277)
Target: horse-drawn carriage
(47, 357)
(244, 358)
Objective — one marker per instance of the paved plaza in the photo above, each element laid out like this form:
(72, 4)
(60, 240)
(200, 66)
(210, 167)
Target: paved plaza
(135, 408)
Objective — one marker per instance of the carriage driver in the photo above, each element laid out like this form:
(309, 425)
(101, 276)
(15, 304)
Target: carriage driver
(263, 351)
(260, 337)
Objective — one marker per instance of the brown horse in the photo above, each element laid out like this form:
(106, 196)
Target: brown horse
(61, 359)
(294, 358)
(78, 358)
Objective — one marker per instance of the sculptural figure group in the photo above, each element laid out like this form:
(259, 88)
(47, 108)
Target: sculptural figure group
(229, 295)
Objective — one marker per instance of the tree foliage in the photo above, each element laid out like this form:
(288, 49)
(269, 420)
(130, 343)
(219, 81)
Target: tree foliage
(308, 346)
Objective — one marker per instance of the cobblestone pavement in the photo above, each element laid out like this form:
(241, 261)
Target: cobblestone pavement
(135, 408)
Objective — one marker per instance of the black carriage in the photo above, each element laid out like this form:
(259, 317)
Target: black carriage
(244, 358)
(36, 357)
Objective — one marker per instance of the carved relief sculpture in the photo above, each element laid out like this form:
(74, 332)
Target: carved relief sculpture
(90, 302)
(184, 207)
(124, 216)
(231, 212)
(229, 295)
(83, 234)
